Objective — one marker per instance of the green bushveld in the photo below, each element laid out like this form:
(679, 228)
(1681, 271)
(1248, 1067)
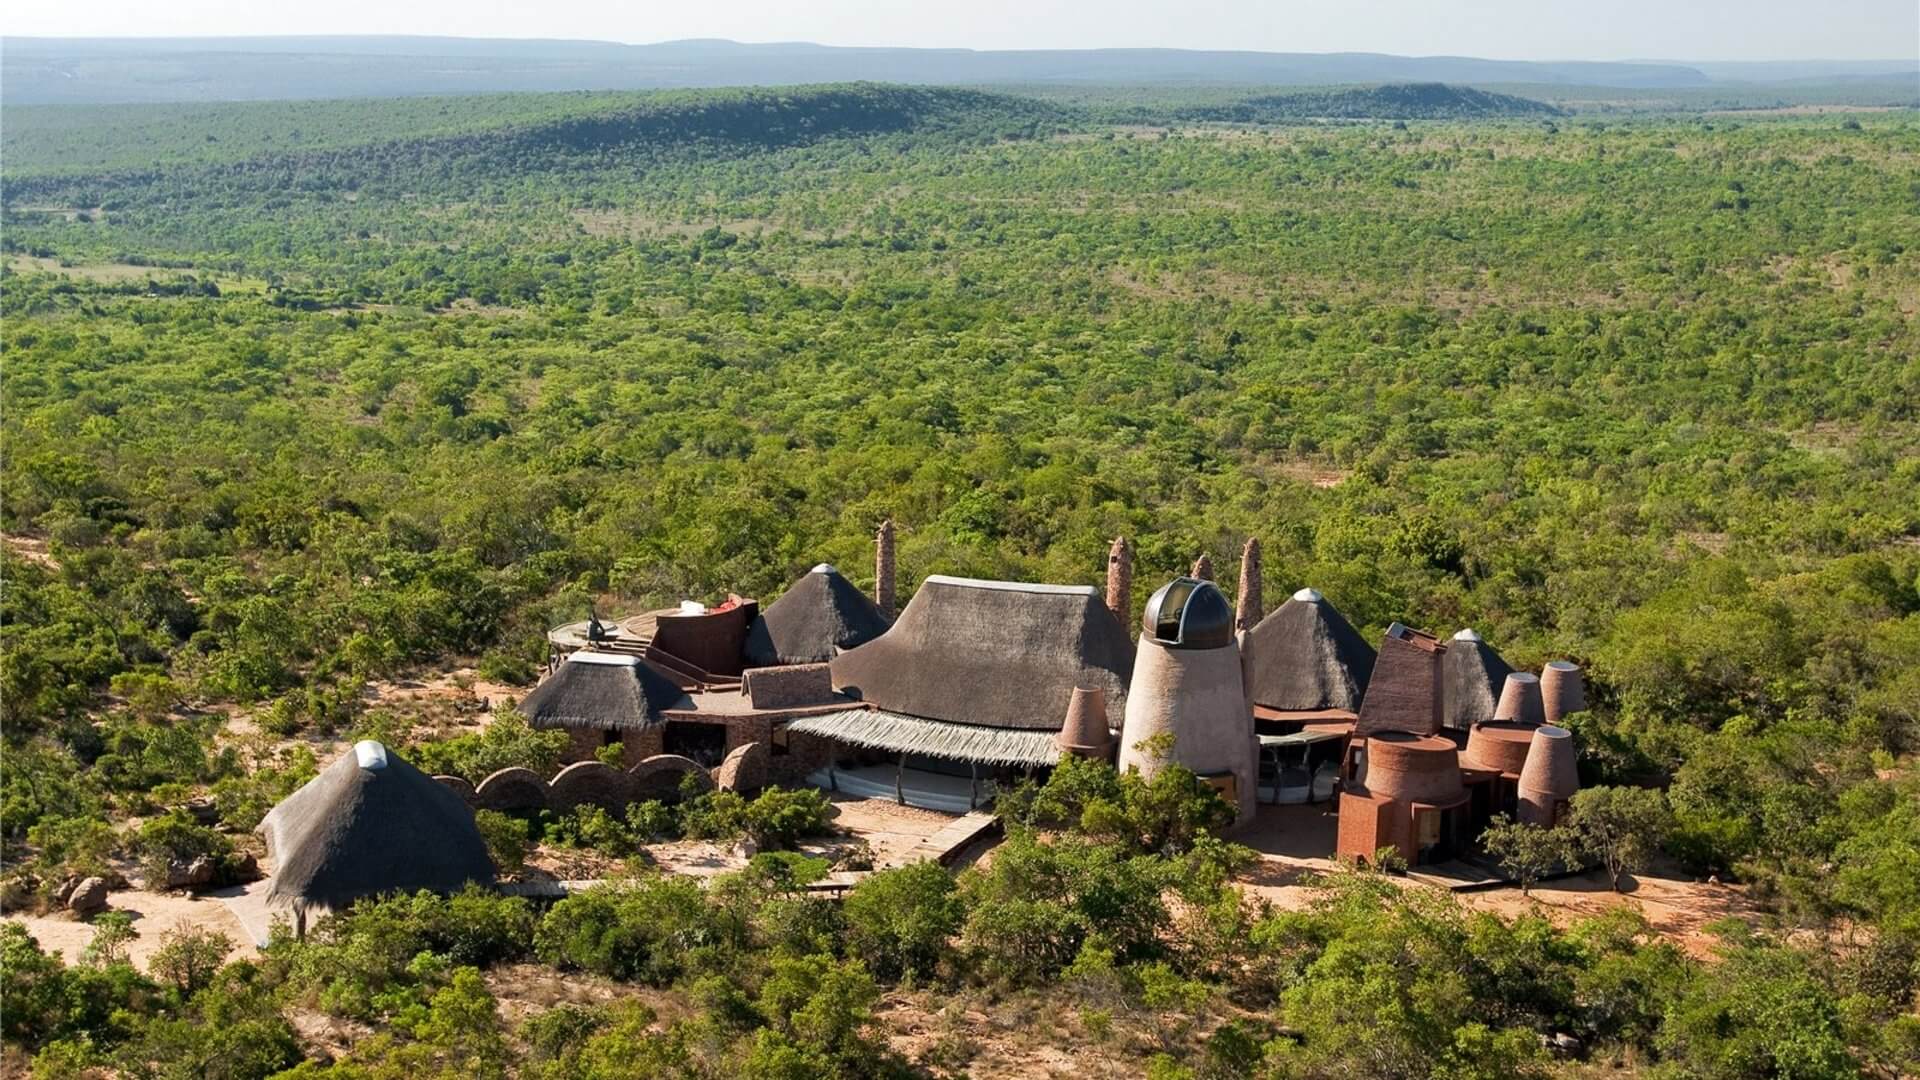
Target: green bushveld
(1638, 392)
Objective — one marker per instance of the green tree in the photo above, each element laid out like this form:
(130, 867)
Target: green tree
(1620, 826)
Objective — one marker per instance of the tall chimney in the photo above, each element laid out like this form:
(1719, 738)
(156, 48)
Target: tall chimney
(1246, 610)
(883, 568)
(1120, 581)
(1202, 568)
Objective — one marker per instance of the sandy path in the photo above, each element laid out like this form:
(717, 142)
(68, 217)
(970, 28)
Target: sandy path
(153, 915)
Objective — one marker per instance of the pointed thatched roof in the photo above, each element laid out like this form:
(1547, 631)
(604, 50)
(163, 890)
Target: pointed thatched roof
(818, 616)
(1306, 657)
(995, 654)
(1471, 675)
(605, 691)
(369, 824)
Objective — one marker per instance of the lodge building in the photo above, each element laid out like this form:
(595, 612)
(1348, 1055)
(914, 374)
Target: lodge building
(1416, 744)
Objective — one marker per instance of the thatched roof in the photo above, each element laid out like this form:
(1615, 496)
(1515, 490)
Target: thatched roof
(878, 729)
(818, 616)
(992, 654)
(1472, 675)
(1306, 657)
(605, 691)
(370, 823)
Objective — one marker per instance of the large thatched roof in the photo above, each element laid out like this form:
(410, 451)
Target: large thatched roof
(603, 690)
(370, 823)
(993, 654)
(1306, 657)
(1472, 675)
(817, 617)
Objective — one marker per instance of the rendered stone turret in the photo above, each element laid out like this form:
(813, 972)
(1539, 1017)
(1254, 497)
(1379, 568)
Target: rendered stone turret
(1187, 692)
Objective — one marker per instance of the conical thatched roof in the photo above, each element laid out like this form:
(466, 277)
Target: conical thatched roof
(1306, 657)
(1473, 675)
(994, 654)
(370, 823)
(605, 691)
(818, 616)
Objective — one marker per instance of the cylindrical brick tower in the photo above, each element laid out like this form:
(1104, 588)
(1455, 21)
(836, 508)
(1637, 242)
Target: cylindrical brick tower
(1411, 768)
(1520, 700)
(1549, 778)
(1499, 747)
(1563, 690)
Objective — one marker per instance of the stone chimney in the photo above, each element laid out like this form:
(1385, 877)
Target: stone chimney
(1246, 610)
(1120, 581)
(883, 595)
(1202, 568)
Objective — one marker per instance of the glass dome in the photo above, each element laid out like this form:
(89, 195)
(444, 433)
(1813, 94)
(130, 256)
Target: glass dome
(1188, 613)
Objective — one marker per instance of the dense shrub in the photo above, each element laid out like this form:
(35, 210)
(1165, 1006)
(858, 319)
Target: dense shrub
(902, 921)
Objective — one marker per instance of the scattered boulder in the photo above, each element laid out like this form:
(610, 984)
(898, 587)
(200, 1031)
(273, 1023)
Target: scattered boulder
(89, 898)
(245, 867)
(746, 849)
(17, 892)
(1564, 1044)
(203, 810)
(64, 890)
(184, 874)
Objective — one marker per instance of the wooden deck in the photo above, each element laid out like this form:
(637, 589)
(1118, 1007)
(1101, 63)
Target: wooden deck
(946, 846)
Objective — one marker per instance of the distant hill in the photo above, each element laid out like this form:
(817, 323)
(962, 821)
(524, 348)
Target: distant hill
(1407, 101)
(100, 70)
(70, 152)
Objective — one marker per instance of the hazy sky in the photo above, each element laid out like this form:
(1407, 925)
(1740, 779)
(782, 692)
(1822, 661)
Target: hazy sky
(1506, 29)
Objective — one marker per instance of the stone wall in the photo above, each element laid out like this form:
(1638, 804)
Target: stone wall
(660, 776)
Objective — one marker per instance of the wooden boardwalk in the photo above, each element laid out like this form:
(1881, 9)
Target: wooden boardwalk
(946, 845)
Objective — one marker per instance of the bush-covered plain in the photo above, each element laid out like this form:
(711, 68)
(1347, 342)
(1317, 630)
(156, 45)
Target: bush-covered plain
(1640, 393)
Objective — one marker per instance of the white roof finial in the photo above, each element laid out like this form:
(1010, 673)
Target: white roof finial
(371, 755)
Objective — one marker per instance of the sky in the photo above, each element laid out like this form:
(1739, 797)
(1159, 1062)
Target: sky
(1500, 29)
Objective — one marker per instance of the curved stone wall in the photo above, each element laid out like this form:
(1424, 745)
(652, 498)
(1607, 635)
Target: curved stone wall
(595, 783)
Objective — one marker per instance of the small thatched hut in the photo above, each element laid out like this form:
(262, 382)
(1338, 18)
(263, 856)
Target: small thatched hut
(1472, 675)
(605, 698)
(369, 824)
(818, 617)
(1306, 662)
(980, 673)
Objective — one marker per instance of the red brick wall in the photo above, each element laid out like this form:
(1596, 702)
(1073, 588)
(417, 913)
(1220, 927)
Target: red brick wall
(1365, 826)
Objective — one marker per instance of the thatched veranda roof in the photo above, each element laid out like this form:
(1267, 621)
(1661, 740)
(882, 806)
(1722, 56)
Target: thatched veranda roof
(369, 824)
(878, 729)
(818, 616)
(608, 691)
(1472, 675)
(1306, 657)
(993, 654)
